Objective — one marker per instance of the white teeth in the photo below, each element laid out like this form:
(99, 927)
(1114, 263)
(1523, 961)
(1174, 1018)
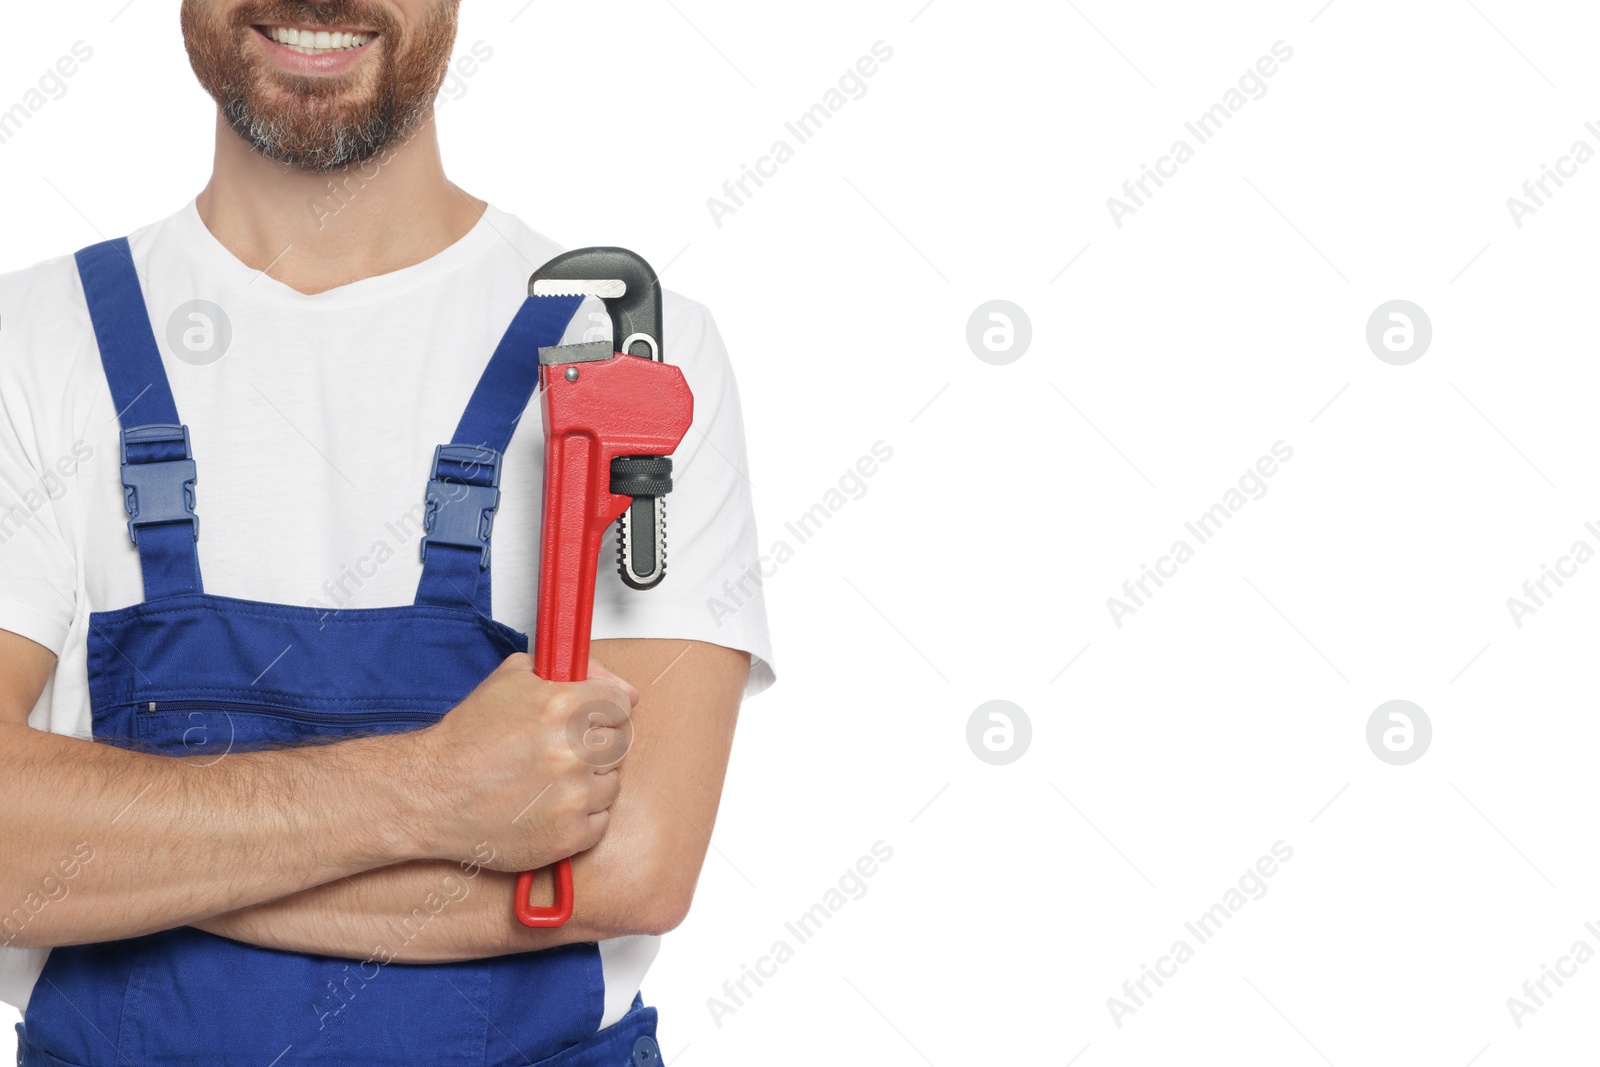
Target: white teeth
(316, 42)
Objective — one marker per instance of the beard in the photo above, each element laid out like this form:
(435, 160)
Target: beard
(319, 123)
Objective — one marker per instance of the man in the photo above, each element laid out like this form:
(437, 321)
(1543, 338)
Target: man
(214, 882)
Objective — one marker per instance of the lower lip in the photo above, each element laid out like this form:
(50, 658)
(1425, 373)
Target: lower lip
(327, 63)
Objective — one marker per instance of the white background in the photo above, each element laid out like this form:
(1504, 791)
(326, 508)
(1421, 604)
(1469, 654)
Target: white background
(1229, 313)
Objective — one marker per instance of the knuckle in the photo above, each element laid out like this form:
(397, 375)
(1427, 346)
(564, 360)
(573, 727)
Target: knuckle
(561, 703)
(576, 836)
(509, 689)
(574, 798)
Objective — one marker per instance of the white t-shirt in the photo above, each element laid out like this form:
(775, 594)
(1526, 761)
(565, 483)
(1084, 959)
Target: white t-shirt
(313, 434)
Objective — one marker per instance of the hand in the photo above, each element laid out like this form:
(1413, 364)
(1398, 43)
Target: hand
(526, 766)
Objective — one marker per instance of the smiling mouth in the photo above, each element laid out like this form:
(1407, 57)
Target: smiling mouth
(316, 42)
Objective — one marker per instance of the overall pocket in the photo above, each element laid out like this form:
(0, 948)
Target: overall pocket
(189, 726)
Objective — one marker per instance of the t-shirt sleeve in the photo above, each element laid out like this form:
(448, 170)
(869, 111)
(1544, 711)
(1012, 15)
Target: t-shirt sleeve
(712, 590)
(37, 565)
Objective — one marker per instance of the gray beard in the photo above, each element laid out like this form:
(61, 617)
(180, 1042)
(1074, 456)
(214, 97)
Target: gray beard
(344, 146)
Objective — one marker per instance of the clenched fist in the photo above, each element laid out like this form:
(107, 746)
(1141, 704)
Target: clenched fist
(527, 765)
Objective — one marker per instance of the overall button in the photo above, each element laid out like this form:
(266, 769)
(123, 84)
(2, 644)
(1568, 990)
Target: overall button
(646, 1053)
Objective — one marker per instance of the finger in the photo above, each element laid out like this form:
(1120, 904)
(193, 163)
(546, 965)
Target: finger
(517, 661)
(600, 671)
(602, 747)
(606, 703)
(596, 829)
(608, 786)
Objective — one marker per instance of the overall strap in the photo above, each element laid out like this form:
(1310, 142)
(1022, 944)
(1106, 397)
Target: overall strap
(158, 472)
(463, 491)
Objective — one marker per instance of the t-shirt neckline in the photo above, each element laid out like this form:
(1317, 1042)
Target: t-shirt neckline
(195, 235)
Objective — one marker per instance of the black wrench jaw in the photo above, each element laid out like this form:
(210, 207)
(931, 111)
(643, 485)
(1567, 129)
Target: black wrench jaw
(636, 315)
(635, 331)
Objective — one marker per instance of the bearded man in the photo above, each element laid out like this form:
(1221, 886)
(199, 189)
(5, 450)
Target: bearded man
(268, 790)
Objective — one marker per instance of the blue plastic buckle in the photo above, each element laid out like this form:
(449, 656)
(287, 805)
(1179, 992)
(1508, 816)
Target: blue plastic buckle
(460, 512)
(159, 491)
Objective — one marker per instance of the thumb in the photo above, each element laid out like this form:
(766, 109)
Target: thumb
(598, 670)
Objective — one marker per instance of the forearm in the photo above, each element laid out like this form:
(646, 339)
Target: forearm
(441, 912)
(639, 878)
(102, 843)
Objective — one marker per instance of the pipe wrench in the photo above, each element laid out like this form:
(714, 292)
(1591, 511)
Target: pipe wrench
(613, 414)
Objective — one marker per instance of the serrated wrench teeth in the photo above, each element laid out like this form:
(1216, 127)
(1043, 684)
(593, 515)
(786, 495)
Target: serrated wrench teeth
(605, 288)
(647, 546)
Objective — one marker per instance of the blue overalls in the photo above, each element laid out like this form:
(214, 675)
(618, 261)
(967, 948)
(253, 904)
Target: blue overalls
(184, 673)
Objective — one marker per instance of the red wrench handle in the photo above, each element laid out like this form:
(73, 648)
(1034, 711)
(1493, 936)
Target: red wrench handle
(568, 563)
(622, 406)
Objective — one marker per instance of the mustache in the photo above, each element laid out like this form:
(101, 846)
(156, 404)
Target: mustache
(332, 13)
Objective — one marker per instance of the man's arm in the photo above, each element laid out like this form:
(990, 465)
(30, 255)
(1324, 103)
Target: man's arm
(639, 879)
(154, 842)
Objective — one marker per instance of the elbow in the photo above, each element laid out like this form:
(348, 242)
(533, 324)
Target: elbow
(662, 891)
(663, 912)
(641, 882)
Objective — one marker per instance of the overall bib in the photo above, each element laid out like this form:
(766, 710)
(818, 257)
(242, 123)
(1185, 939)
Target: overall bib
(185, 673)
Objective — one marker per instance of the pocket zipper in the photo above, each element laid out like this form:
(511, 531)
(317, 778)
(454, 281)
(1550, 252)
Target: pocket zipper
(280, 711)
